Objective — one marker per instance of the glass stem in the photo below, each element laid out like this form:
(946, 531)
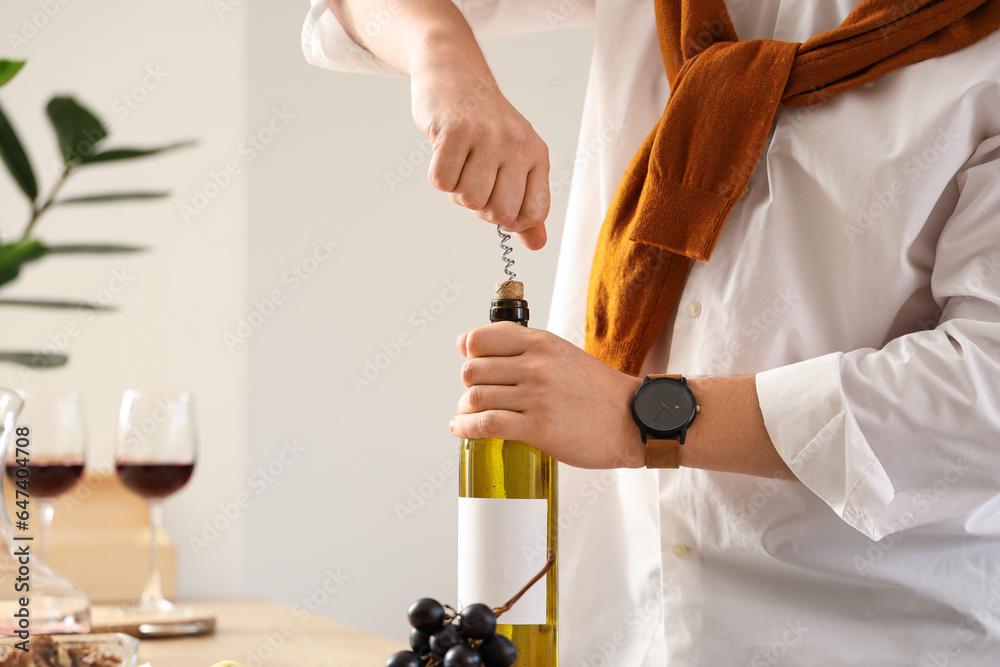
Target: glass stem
(47, 510)
(152, 594)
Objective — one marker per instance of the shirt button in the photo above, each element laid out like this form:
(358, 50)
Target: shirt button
(680, 550)
(746, 193)
(694, 309)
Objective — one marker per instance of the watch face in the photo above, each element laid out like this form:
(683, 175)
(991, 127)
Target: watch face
(664, 406)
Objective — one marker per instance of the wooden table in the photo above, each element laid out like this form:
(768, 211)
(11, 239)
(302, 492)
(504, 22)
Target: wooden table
(260, 633)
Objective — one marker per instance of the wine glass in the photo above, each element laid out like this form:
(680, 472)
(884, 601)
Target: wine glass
(155, 453)
(55, 605)
(58, 451)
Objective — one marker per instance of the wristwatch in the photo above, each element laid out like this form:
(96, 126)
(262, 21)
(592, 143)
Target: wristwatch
(664, 408)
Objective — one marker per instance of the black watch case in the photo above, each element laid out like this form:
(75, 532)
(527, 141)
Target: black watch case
(664, 408)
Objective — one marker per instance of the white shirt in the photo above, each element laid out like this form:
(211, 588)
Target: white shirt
(859, 281)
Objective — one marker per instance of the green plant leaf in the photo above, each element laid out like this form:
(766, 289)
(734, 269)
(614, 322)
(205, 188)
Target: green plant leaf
(15, 255)
(15, 158)
(79, 131)
(8, 68)
(34, 359)
(115, 154)
(91, 249)
(58, 305)
(112, 196)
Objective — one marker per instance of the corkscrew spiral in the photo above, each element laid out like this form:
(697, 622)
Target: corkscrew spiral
(508, 262)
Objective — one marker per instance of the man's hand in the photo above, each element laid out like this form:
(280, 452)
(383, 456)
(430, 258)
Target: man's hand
(487, 157)
(530, 385)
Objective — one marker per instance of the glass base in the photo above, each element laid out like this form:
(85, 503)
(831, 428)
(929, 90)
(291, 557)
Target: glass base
(188, 628)
(49, 616)
(160, 619)
(156, 608)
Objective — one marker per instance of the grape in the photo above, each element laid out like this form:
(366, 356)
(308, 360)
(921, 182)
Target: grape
(403, 659)
(419, 640)
(462, 655)
(426, 615)
(444, 640)
(497, 651)
(479, 621)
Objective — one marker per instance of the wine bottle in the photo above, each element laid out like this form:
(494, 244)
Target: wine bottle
(508, 524)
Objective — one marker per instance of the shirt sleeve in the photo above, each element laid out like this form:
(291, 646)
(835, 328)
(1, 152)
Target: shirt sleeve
(910, 434)
(325, 43)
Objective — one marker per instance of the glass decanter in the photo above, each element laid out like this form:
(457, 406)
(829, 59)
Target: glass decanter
(54, 604)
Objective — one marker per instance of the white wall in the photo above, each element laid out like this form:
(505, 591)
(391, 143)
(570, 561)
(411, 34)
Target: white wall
(183, 292)
(331, 507)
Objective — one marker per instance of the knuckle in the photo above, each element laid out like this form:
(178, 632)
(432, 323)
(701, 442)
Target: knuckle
(459, 128)
(544, 165)
(484, 216)
(440, 183)
(524, 141)
(444, 132)
(470, 200)
(533, 370)
(538, 340)
(474, 398)
(468, 373)
(503, 215)
(487, 423)
(437, 122)
(473, 342)
(540, 201)
(543, 154)
(439, 180)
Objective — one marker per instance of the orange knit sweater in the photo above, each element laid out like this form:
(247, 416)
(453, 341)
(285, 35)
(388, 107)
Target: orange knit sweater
(693, 166)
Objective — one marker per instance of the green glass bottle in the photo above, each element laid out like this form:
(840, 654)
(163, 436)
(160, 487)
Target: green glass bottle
(508, 525)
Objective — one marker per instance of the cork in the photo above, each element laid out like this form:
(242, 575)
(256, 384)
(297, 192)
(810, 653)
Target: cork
(510, 289)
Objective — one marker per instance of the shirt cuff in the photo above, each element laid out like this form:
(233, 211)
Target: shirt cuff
(326, 44)
(814, 432)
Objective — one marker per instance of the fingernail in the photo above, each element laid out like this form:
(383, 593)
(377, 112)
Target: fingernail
(451, 425)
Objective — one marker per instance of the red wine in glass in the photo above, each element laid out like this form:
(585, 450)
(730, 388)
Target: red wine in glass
(49, 479)
(154, 480)
(155, 451)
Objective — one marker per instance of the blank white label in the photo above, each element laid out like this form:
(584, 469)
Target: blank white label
(501, 546)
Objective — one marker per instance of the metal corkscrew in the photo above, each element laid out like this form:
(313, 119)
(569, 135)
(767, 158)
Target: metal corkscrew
(508, 262)
(509, 304)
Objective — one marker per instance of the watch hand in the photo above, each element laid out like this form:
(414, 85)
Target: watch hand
(670, 411)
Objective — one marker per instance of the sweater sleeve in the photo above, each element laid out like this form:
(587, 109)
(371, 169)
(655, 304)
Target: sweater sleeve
(325, 43)
(909, 434)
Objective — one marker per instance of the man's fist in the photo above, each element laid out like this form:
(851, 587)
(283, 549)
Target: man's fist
(487, 157)
(530, 385)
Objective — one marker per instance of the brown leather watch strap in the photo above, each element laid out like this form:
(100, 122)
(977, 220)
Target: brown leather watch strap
(662, 453)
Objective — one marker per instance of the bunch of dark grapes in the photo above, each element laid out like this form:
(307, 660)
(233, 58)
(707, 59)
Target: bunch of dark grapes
(464, 639)
(442, 637)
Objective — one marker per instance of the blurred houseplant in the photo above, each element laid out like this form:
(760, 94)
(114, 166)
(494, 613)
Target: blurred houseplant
(80, 135)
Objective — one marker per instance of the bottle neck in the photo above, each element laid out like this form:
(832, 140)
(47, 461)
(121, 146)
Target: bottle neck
(509, 310)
